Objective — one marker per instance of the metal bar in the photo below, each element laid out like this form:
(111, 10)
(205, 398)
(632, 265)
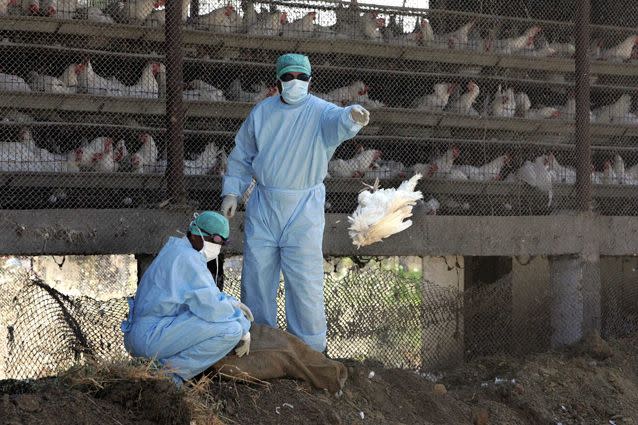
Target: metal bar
(583, 130)
(174, 105)
(194, 8)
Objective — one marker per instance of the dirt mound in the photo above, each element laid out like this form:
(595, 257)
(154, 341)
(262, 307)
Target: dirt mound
(593, 383)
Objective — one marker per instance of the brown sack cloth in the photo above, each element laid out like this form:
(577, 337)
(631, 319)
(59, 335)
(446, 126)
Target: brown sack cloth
(278, 354)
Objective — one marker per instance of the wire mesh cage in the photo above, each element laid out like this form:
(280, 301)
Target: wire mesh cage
(427, 314)
(478, 97)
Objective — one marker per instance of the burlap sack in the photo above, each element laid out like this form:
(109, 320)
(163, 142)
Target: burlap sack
(278, 354)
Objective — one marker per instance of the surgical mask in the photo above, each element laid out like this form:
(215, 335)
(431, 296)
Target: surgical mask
(210, 251)
(294, 91)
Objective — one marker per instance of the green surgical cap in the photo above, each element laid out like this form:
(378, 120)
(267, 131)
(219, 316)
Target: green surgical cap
(210, 223)
(293, 62)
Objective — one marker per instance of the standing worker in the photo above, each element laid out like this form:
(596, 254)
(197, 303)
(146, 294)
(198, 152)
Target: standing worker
(285, 144)
(178, 316)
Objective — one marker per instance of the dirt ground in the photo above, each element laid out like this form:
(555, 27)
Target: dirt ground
(592, 383)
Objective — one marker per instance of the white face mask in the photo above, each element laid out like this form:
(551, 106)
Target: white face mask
(294, 91)
(210, 251)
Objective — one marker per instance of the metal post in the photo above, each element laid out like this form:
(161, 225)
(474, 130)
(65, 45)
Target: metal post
(582, 132)
(194, 8)
(174, 107)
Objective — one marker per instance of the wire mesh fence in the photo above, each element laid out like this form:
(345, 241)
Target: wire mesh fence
(478, 97)
(428, 315)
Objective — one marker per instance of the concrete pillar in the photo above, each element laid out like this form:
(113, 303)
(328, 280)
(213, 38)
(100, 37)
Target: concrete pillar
(143, 261)
(442, 312)
(575, 298)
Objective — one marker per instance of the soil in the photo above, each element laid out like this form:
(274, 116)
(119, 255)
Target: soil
(593, 383)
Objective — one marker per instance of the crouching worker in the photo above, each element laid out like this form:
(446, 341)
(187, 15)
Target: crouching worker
(178, 316)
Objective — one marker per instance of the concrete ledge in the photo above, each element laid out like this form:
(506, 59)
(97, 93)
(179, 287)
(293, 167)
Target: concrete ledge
(37, 232)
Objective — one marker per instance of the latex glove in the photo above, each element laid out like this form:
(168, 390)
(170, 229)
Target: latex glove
(360, 115)
(229, 206)
(243, 347)
(244, 309)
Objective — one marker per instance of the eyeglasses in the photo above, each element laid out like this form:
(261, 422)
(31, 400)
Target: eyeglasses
(216, 239)
(289, 77)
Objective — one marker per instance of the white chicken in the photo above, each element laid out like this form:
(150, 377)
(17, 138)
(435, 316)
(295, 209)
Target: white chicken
(371, 25)
(28, 7)
(91, 83)
(302, 27)
(199, 90)
(146, 86)
(205, 162)
(354, 167)
(48, 84)
(131, 11)
(60, 9)
(504, 103)
(385, 170)
(383, 212)
(524, 109)
(436, 101)
(487, 172)
(568, 111)
(94, 14)
(632, 174)
(236, 93)
(617, 111)
(145, 159)
(157, 17)
(269, 25)
(422, 34)
(464, 104)
(458, 39)
(560, 173)
(35, 158)
(342, 96)
(509, 46)
(622, 51)
(14, 83)
(219, 20)
(86, 156)
(440, 166)
(5, 5)
(563, 49)
(537, 175)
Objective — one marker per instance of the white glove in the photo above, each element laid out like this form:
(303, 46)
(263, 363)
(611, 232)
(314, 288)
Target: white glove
(229, 206)
(360, 115)
(243, 347)
(244, 309)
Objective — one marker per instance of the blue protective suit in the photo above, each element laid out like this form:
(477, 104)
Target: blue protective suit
(179, 316)
(286, 148)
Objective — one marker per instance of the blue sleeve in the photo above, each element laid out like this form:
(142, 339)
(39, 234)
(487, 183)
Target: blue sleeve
(337, 125)
(204, 299)
(240, 171)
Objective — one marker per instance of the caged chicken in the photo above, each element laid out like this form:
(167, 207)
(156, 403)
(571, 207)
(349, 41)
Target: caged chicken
(383, 212)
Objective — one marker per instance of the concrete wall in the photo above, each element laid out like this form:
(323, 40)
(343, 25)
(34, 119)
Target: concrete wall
(89, 232)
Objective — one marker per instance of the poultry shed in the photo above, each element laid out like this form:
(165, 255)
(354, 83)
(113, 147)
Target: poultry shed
(479, 98)
(489, 86)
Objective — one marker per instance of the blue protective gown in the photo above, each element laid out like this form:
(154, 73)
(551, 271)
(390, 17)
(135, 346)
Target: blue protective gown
(286, 148)
(179, 316)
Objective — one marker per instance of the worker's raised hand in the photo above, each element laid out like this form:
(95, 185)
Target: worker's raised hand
(360, 115)
(229, 206)
(244, 309)
(243, 347)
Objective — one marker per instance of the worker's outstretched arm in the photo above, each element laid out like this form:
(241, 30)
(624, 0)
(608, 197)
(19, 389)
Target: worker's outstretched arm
(339, 124)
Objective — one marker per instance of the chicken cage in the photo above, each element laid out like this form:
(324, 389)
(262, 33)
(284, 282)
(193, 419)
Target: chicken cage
(477, 97)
